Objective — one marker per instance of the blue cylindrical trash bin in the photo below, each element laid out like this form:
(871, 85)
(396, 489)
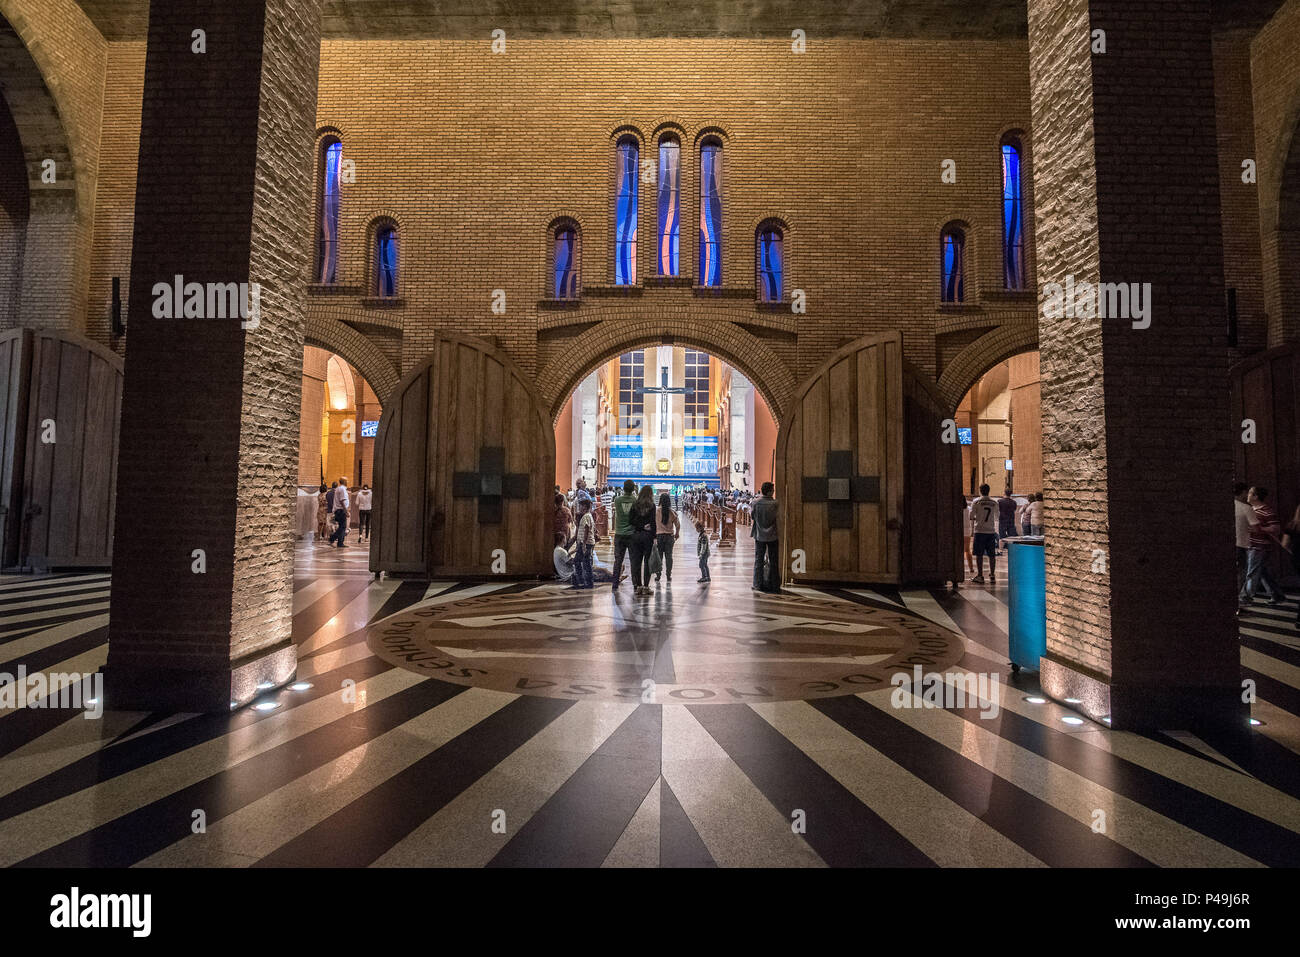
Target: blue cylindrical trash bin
(1027, 605)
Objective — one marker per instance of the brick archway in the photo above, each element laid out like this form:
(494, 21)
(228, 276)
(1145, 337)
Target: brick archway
(738, 348)
(981, 355)
(352, 346)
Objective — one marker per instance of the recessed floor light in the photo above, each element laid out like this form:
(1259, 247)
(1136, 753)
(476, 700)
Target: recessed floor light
(1255, 722)
(1036, 700)
(300, 685)
(234, 705)
(266, 706)
(1072, 720)
(92, 701)
(1106, 719)
(265, 685)
(1074, 701)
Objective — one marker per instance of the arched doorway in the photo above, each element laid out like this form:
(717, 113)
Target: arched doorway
(1000, 427)
(665, 415)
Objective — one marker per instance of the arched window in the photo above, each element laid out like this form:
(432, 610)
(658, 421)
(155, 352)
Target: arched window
(327, 260)
(770, 252)
(711, 213)
(953, 253)
(386, 262)
(670, 171)
(625, 204)
(1013, 226)
(566, 262)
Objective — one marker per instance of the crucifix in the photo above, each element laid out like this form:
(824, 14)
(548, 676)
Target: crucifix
(663, 391)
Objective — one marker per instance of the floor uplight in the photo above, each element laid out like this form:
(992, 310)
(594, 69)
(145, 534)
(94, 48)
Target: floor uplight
(1070, 719)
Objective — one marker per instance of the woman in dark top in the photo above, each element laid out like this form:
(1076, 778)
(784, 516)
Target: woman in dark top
(642, 519)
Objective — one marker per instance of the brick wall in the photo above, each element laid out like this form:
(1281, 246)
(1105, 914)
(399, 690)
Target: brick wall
(1239, 201)
(13, 217)
(1275, 71)
(62, 104)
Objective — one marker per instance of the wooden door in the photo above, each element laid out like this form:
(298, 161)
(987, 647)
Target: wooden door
(464, 469)
(58, 449)
(847, 501)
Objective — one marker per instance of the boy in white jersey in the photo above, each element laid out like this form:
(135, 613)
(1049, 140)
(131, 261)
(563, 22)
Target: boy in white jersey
(984, 524)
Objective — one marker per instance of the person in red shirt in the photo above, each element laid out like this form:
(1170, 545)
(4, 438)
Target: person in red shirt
(1262, 537)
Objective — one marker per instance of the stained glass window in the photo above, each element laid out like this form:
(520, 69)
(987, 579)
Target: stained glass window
(1013, 263)
(954, 265)
(625, 213)
(631, 376)
(386, 262)
(771, 264)
(328, 252)
(711, 214)
(566, 267)
(670, 170)
(696, 407)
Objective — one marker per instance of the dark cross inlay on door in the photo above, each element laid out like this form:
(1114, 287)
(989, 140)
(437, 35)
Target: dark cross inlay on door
(491, 485)
(840, 489)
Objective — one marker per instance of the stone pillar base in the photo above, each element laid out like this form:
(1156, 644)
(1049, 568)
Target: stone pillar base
(133, 687)
(1209, 710)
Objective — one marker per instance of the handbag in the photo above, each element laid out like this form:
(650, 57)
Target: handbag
(656, 560)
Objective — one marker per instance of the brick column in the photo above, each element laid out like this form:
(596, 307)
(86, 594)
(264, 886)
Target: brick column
(210, 412)
(1137, 449)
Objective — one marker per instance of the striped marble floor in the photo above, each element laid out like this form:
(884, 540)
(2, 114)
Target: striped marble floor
(410, 771)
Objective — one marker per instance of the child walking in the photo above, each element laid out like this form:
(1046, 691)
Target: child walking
(702, 550)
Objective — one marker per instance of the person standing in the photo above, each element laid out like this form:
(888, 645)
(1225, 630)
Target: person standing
(668, 528)
(1291, 542)
(765, 531)
(586, 536)
(1034, 514)
(983, 523)
(363, 512)
(563, 518)
(965, 532)
(1246, 521)
(341, 506)
(642, 519)
(1006, 516)
(1262, 537)
(621, 506)
(322, 513)
(702, 549)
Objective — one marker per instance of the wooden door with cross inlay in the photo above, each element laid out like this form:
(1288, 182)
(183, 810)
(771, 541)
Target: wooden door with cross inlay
(849, 512)
(464, 467)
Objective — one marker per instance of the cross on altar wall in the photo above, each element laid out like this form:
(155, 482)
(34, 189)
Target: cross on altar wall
(663, 391)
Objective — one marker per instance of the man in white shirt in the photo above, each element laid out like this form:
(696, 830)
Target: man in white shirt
(1246, 519)
(342, 505)
(984, 525)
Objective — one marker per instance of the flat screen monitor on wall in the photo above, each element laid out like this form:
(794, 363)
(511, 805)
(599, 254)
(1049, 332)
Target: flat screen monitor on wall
(370, 429)
(963, 436)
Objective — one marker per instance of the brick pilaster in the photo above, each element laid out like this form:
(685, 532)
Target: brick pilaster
(1137, 453)
(210, 411)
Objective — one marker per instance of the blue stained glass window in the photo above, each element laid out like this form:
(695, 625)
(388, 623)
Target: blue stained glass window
(566, 272)
(670, 170)
(1013, 263)
(954, 265)
(771, 264)
(386, 262)
(625, 213)
(711, 215)
(328, 259)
